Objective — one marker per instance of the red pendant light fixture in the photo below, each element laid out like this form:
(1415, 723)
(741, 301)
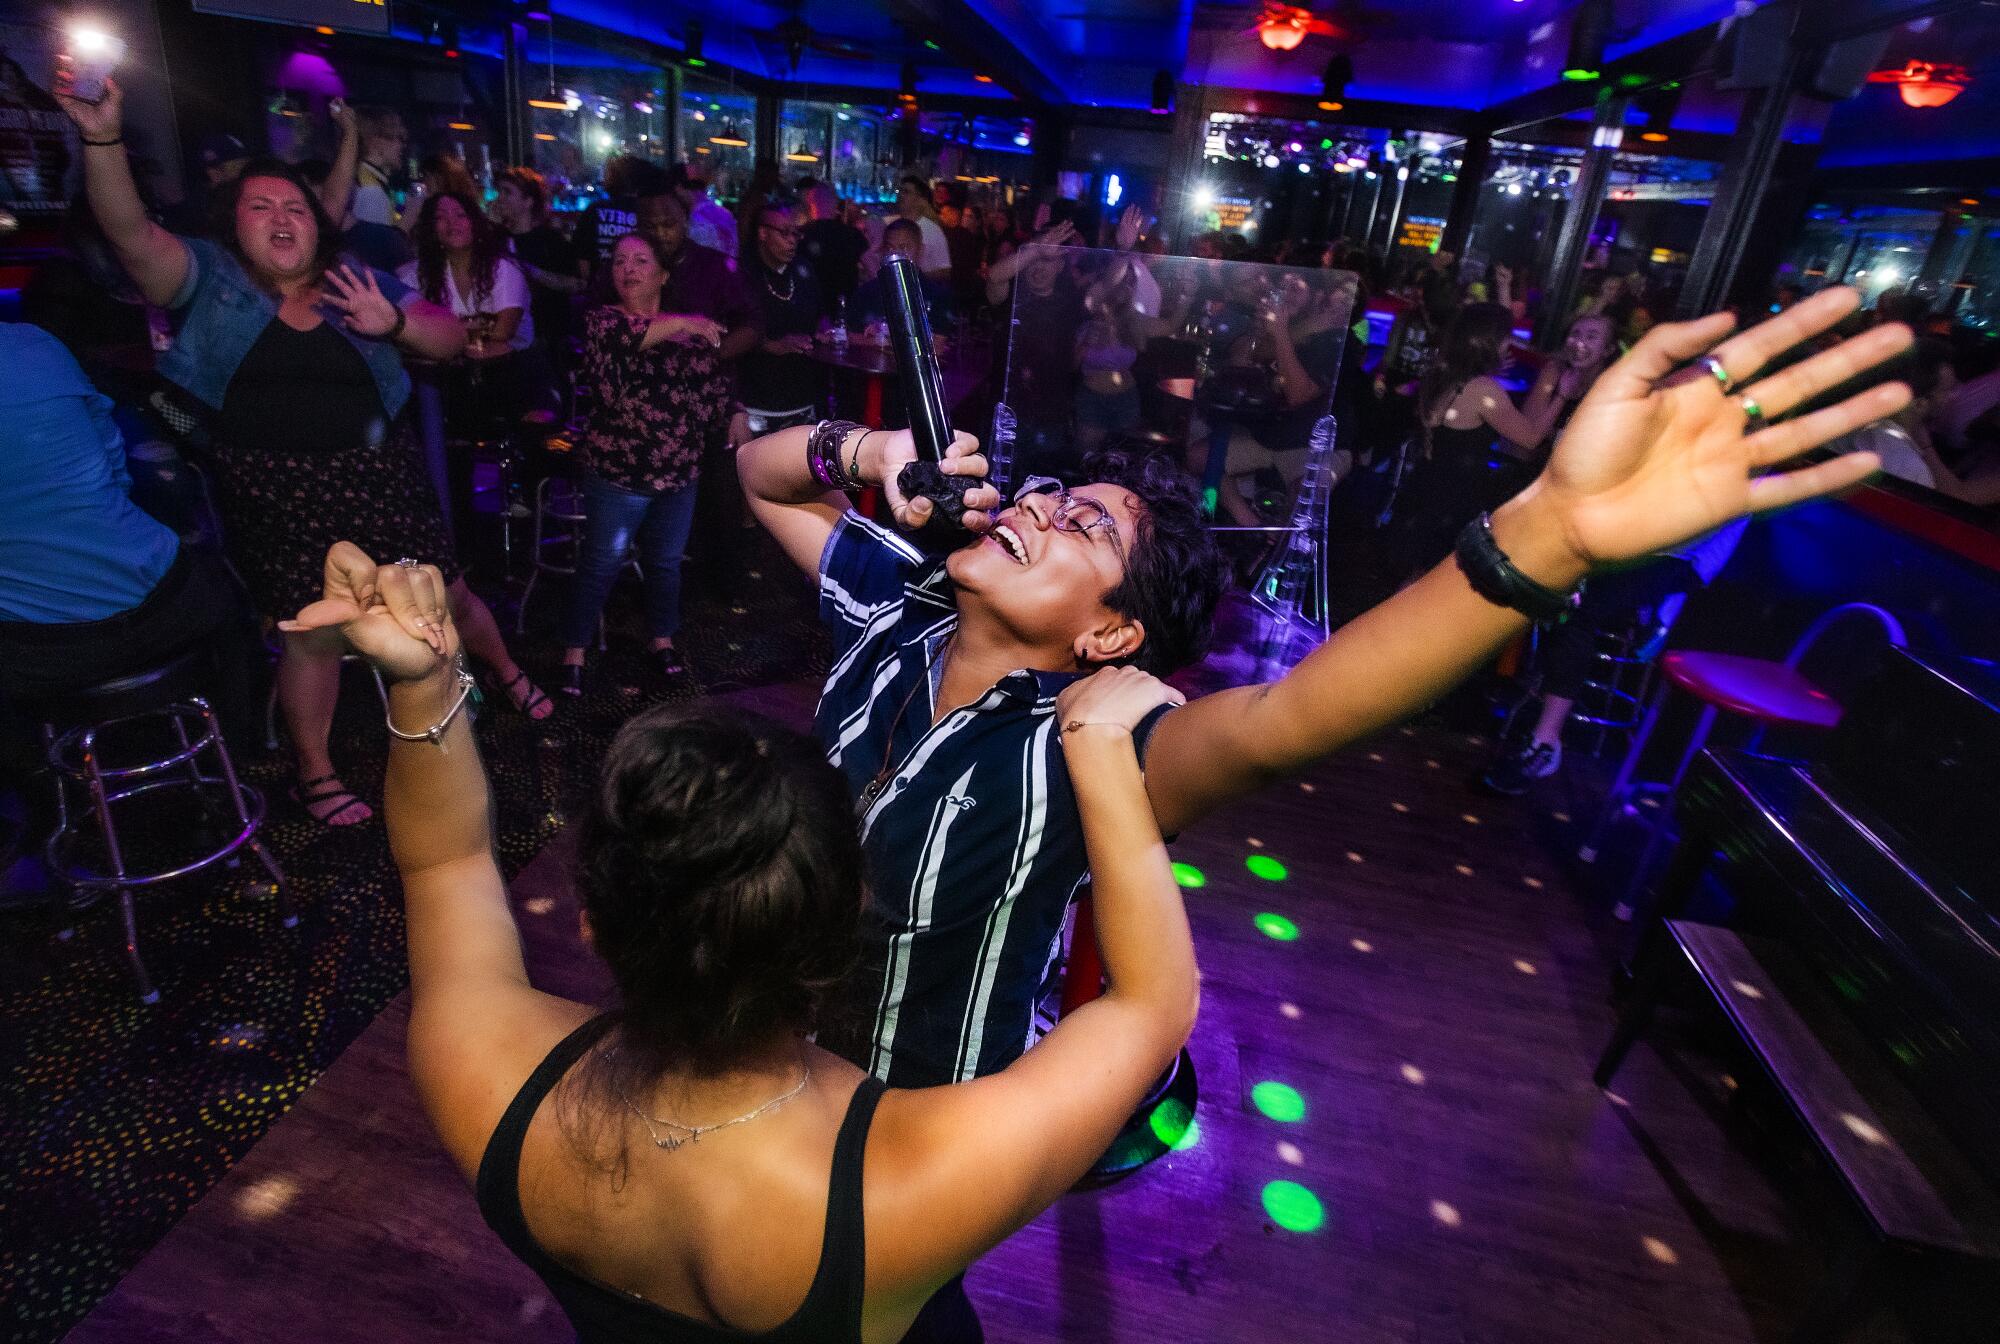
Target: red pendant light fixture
(1284, 27)
(1925, 83)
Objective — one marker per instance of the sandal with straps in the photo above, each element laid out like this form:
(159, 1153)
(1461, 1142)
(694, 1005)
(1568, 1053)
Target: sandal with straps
(527, 701)
(311, 793)
(668, 660)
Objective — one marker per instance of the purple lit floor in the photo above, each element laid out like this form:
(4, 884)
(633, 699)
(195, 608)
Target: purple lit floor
(1438, 1013)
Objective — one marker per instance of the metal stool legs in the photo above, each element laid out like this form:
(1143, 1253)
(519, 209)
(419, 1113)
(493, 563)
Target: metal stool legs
(77, 760)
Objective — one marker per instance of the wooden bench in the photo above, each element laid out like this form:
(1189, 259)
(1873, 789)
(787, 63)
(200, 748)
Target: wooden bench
(1916, 1195)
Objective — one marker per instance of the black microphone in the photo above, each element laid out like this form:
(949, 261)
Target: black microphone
(923, 396)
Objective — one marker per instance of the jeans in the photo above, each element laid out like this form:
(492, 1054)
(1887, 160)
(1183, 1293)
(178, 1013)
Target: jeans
(616, 519)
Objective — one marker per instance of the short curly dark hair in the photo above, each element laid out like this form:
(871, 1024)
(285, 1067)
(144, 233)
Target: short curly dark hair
(1174, 572)
(721, 870)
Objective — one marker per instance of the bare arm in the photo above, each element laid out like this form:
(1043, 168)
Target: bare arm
(1293, 378)
(966, 1166)
(498, 335)
(800, 513)
(154, 258)
(473, 1014)
(1650, 460)
(1000, 276)
(431, 331)
(337, 192)
(1522, 429)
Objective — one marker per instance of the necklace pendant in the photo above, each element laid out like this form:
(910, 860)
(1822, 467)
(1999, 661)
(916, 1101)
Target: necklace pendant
(667, 1144)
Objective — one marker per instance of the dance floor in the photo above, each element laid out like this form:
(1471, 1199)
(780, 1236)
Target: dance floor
(1396, 1137)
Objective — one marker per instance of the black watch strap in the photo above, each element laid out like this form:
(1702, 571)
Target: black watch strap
(1494, 577)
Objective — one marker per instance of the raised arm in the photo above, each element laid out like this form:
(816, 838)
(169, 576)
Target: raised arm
(1524, 429)
(337, 192)
(473, 1014)
(154, 258)
(1000, 276)
(1651, 459)
(963, 1167)
(800, 513)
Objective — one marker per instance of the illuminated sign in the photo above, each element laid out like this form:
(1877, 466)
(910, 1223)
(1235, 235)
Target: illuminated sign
(1232, 212)
(1421, 231)
(353, 16)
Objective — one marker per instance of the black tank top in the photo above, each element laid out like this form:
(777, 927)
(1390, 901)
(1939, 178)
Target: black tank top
(301, 392)
(831, 1313)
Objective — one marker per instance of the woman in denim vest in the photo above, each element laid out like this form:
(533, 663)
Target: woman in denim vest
(297, 353)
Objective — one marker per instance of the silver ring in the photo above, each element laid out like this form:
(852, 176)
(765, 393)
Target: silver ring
(1721, 375)
(407, 563)
(1753, 414)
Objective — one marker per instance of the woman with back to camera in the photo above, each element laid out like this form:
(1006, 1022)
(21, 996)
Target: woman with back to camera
(297, 354)
(688, 1165)
(1463, 414)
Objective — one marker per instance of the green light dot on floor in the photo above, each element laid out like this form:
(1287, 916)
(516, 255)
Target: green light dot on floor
(1174, 1125)
(1293, 1207)
(1266, 867)
(1278, 1101)
(1276, 926)
(1190, 876)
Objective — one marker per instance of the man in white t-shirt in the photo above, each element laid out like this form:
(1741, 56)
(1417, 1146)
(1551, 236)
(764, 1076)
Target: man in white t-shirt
(913, 202)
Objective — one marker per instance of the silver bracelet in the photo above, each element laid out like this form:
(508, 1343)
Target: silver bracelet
(435, 733)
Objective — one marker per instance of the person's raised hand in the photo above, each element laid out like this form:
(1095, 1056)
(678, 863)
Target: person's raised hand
(1118, 697)
(369, 312)
(1129, 225)
(101, 120)
(892, 451)
(1650, 460)
(1058, 235)
(343, 117)
(396, 616)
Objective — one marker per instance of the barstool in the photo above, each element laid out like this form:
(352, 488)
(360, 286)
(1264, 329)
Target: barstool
(102, 758)
(1617, 693)
(1769, 693)
(558, 500)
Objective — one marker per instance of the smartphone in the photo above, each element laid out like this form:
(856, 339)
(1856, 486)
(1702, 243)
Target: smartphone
(87, 59)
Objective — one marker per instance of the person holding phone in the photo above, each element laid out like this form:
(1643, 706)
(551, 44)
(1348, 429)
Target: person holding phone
(690, 1162)
(295, 353)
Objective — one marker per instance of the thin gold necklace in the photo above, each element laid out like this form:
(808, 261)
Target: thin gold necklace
(690, 1133)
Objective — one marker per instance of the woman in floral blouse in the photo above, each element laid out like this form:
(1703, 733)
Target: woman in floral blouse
(661, 393)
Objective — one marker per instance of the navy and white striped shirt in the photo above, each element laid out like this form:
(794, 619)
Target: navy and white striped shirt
(974, 847)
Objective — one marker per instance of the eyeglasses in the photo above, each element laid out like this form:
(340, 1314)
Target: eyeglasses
(793, 232)
(1074, 513)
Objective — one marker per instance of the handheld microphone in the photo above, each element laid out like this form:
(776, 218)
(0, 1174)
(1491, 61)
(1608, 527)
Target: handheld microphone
(923, 395)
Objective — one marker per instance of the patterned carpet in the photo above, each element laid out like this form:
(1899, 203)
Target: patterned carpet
(115, 1117)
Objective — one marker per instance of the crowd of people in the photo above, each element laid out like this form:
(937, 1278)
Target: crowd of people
(831, 946)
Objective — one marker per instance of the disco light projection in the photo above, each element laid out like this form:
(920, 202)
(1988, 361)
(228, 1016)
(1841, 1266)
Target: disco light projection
(1266, 867)
(1174, 1125)
(1293, 1207)
(1276, 927)
(1190, 876)
(1278, 1101)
